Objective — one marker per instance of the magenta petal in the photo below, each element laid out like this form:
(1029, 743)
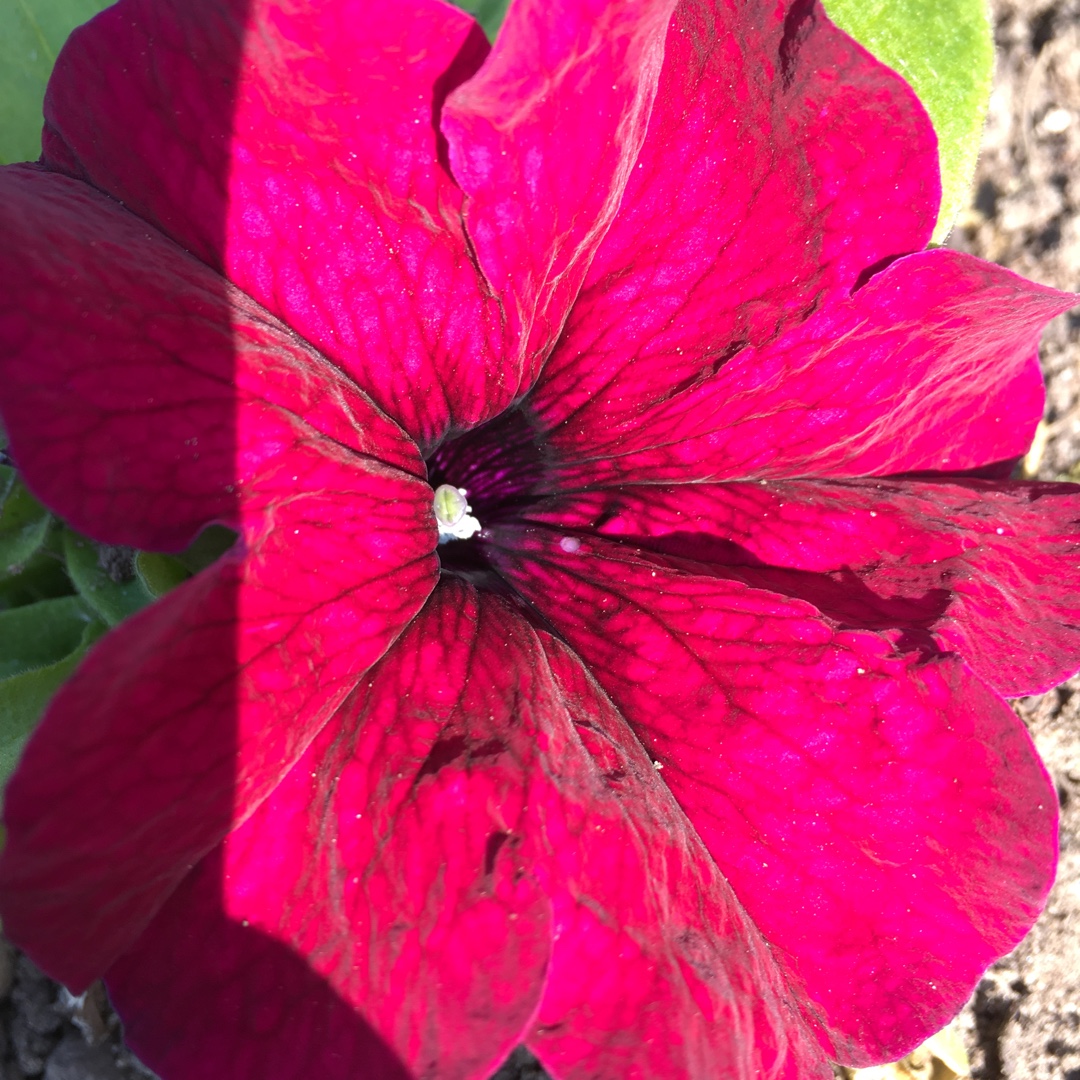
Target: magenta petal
(992, 569)
(295, 148)
(116, 355)
(542, 140)
(204, 996)
(474, 852)
(185, 717)
(656, 969)
(883, 818)
(143, 397)
(756, 199)
(931, 365)
(391, 856)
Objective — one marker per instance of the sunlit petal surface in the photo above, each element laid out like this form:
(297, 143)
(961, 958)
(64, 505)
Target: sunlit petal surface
(691, 761)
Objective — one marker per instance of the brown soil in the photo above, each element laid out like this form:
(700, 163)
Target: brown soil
(1024, 1020)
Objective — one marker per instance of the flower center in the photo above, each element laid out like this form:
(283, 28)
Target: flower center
(484, 475)
(452, 514)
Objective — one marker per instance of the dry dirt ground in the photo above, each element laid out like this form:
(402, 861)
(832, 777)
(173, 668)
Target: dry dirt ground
(1023, 1022)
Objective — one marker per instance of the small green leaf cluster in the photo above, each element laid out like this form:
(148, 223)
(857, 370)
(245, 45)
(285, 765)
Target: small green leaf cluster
(59, 592)
(45, 626)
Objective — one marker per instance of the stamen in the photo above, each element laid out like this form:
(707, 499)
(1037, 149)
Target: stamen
(452, 514)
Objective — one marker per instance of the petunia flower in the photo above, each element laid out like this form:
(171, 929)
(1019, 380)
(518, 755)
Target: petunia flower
(611, 657)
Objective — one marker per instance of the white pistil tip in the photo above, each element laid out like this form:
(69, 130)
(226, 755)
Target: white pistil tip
(452, 514)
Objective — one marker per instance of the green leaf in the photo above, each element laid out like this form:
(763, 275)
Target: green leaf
(207, 548)
(33, 31)
(23, 698)
(40, 634)
(945, 50)
(17, 505)
(111, 589)
(160, 573)
(42, 577)
(488, 13)
(24, 522)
